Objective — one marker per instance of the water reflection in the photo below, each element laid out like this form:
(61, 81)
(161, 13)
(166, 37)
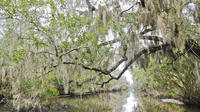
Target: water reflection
(131, 103)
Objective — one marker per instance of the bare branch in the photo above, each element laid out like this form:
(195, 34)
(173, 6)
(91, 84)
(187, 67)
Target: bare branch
(126, 10)
(74, 49)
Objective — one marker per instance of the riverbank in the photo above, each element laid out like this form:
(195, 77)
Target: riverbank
(121, 101)
(163, 103)
(102, 102)
(72, 102)
(72, 95)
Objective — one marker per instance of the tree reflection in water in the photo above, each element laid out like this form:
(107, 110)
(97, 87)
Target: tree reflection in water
(131, 101)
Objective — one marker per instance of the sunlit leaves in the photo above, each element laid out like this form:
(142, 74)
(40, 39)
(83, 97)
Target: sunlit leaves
(19, 55)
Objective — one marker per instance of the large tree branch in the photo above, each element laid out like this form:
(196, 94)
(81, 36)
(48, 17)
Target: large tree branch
(88, 68)
(117, 64)
(105, 72)
(149, 50)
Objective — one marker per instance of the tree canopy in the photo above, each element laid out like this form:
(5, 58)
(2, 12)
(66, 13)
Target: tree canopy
(78, 46)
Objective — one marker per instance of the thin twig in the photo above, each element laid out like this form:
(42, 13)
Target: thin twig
(126, 10)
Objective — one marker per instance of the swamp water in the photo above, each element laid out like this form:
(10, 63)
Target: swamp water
(127, 101)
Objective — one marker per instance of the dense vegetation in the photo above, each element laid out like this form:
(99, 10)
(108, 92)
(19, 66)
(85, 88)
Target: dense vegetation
(52, 47)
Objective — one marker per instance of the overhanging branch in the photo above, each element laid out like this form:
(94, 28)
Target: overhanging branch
(117, 64)
(88, 68)
(149, 50)
(105, 72)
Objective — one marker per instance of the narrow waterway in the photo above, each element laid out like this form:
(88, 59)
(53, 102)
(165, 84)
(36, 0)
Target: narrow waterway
(138, 103)
(124, 101)
(131, 100)
(131, 103)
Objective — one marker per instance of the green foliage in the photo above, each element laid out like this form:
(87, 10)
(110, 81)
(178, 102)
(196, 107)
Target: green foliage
(50, 92)
(172, 79)
(140, 76)
(45, 46)
(26, 86)
(19, 55)
(174, 95)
